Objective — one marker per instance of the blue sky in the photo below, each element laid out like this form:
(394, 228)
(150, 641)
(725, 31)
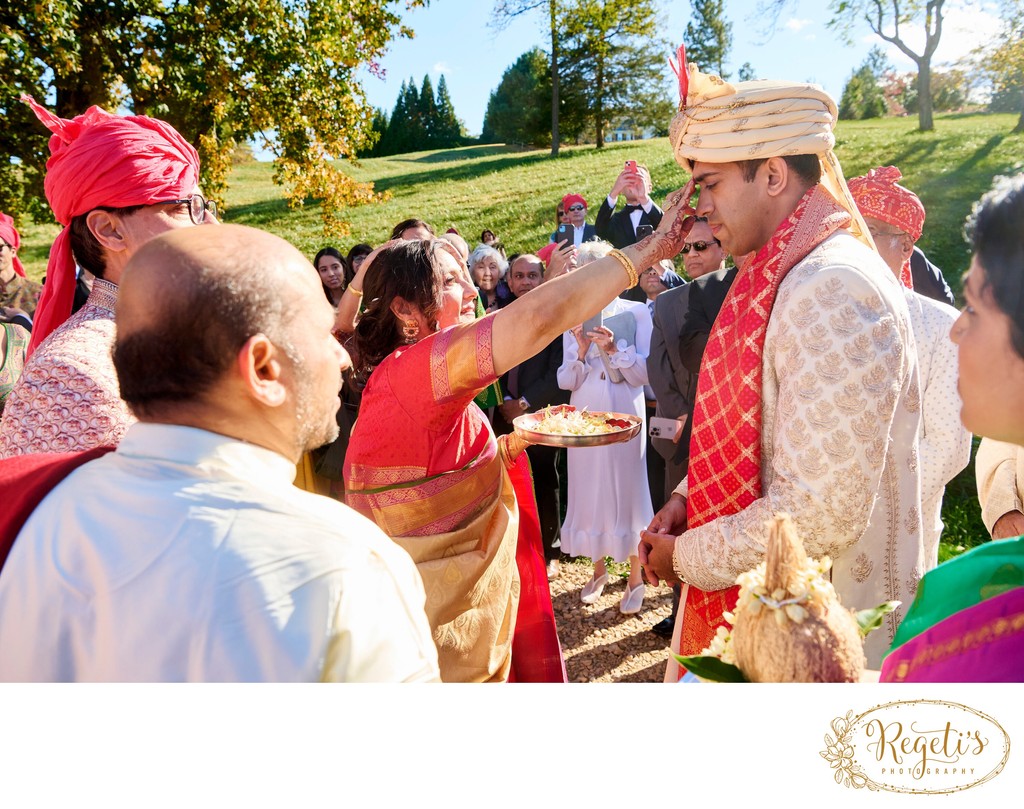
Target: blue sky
(454, 38)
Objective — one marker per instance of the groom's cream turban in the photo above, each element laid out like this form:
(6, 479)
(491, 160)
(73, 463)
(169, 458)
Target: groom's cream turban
(720, 122)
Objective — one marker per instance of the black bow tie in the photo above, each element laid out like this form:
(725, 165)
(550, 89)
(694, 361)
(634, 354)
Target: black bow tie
(631, 208)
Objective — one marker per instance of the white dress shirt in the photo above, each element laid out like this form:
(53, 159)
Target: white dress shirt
(187, 555)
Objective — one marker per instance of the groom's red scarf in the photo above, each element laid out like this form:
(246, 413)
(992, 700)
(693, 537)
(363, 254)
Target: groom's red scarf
(25, 480)
(725, 447)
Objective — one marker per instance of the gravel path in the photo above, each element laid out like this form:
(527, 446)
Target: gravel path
(600, 644)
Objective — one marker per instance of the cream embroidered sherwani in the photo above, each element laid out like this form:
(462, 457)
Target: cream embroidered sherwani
(68, 398)
(841, 413)
(945, 442)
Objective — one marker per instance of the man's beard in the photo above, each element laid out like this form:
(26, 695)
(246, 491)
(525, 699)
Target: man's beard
(316, 415)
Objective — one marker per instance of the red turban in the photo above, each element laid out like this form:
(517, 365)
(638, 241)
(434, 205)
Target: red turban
(571, 199)
(103, 160)
(10, 235)
(879, 196)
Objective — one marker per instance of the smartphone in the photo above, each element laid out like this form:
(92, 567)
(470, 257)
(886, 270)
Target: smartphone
(592, 323)
(664, 428)
(564, 233)
(631, 166)
(643, 231)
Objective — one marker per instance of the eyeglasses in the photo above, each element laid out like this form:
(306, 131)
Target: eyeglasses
(877, 233)
(198, 207)
(700, 247)
(577, 207)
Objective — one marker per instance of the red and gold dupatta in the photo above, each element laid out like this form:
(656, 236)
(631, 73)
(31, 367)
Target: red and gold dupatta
(725, 447)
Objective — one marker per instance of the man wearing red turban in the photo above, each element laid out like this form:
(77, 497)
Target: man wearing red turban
(16, 291)
(895, 217)
(114, 182)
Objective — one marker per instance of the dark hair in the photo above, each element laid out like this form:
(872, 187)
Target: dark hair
(333, 252)
(806, 166)
(405, 224)
(88, 252)
(361, 249)
(483, 235)
(995, 230)
(559, 212)
(406, 270)
(195, 337)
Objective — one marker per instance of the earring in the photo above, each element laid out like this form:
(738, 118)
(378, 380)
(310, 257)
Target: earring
(410, 330)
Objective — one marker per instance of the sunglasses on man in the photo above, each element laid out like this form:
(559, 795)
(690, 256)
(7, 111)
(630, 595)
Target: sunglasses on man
(577, 207)
(700, 247)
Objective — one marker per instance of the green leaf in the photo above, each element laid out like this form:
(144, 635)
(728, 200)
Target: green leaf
(869, 620)
(712, 668)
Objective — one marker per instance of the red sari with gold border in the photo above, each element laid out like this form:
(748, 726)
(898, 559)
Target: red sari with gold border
(423, 463)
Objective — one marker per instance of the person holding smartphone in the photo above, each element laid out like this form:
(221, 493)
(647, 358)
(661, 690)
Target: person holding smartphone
(620, 227)
(573, 221)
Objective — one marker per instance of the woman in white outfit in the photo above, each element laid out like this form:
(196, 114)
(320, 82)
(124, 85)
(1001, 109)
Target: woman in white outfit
(609, 501)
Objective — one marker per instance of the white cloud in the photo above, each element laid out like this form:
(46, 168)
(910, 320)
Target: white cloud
(441, 67)
(795, 24)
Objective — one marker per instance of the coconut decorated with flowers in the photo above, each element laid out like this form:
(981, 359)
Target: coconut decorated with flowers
(789, 625)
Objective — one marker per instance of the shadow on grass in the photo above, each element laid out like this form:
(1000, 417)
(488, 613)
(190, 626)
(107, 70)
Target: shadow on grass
(457, 172)
(464, 153)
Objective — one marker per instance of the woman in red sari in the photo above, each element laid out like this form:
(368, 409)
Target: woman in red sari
(423, 462)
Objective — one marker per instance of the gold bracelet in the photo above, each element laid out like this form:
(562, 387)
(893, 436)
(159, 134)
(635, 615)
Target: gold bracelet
(627, 265)
(357, 292)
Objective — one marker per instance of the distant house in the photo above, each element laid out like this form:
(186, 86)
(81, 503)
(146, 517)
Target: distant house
(628, 130)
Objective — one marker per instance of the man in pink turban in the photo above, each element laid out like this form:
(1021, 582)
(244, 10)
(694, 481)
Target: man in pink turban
(895, 217)
(16, 291)
(114, 182)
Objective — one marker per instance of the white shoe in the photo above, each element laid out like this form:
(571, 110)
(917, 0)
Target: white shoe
(592, 589)
(632, 599)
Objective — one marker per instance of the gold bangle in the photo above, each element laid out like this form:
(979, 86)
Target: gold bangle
(627, 265)
(357, 292)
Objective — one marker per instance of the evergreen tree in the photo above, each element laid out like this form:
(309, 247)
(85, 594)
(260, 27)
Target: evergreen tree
(378, 132)
(414, 129)
(394, 140)
(863, 96)
(746, 72)
(708, 37)
(428, 116)
(519, 108)
(449, 129)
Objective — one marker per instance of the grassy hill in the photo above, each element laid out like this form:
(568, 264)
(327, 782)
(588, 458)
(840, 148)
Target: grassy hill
(513, 192)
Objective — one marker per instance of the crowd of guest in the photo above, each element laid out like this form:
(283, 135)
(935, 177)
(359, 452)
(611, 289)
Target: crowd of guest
(781, 339)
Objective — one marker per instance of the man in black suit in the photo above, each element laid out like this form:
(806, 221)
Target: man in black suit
(619, 227)
(530, 386)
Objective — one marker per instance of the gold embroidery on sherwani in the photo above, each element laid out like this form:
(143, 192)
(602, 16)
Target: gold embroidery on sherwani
(862, 568)
(849, 401)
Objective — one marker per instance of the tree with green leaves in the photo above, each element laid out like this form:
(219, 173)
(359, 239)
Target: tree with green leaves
(505, 11)
(864, 93)
(746, 72)
(708, 37)
(612, 48)
(518, 107)
(1002, 63)
(889, 20)
(220, 71)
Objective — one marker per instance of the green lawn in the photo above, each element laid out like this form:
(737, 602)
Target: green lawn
(513, 192)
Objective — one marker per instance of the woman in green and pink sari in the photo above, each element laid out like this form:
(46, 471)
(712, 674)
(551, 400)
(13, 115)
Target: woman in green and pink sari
(967, 621)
